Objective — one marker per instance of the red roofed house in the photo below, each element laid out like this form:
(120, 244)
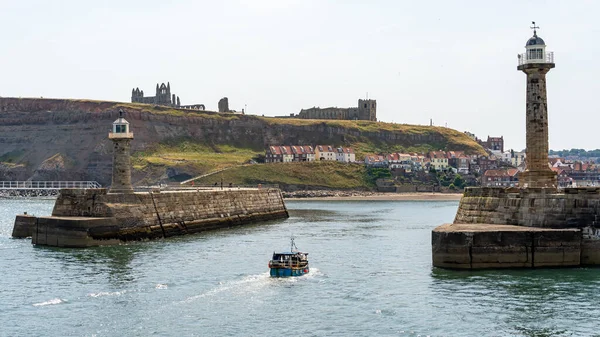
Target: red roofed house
(303, 153)
(325, 152)
(376, 161)
(345, 154)
(459, 161)
(273, 154)
(439, 160)
(500, 178)
(288, 155)
(563, 178)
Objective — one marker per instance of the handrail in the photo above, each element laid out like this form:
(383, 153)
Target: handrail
(47, 185)
(203, 187)
(548, 58)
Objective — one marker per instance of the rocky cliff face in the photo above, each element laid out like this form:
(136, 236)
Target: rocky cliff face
(59, 139)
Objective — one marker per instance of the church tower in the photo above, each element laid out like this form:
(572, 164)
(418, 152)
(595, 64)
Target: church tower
(535, 63)
(121, 173)
(367, 109)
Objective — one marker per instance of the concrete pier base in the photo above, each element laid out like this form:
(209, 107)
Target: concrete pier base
(521, 228)
(24, 225)
(485, 246)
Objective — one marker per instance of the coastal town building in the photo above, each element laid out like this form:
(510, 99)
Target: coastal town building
(459, 161)
(439, 160)
(403, 161)
(517, 158)
(279, 154)
(345, 154)
(494, 143)
(505, 177)
(325, 152)
(563, 178)
(303, 153)
(376, 161)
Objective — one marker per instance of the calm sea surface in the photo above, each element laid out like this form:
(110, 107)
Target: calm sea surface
(371, 275)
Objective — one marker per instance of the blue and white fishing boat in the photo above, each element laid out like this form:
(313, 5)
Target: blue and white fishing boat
(292, 263)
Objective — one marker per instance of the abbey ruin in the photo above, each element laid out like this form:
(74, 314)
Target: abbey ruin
(163, 96)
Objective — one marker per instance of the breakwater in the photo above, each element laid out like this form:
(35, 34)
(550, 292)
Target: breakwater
(533, 227)
(93, 217)
(35, 193)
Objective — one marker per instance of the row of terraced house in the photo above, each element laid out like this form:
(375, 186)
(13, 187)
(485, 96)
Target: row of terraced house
(296, 153)
(438, 160)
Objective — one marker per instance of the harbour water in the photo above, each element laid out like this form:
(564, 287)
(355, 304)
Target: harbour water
(371, 275)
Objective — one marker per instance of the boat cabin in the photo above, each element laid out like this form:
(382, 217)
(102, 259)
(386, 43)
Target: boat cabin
(289, 259)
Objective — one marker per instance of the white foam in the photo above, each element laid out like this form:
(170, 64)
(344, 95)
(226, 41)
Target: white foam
(252, 283)
(50, 302)
(246, 284)
(106, 293)
(161, 286)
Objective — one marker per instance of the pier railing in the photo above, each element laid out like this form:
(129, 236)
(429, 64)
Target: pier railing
(47, 185)
(203, 187)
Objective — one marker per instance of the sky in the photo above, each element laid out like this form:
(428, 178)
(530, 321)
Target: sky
(452, 62)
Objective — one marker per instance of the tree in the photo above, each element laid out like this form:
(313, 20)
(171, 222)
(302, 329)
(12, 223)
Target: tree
(459, 181)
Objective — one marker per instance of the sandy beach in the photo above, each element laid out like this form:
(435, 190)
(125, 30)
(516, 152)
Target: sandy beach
(384, 196)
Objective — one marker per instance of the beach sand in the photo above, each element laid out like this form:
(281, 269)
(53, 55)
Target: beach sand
(388, 196)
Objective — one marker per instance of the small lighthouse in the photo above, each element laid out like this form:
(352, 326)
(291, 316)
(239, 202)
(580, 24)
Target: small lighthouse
(536, 62)
(121, 173)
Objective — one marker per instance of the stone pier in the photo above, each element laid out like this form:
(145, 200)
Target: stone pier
(93, 217)
(521, 228)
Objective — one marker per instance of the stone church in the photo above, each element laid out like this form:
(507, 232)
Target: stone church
(366, 110)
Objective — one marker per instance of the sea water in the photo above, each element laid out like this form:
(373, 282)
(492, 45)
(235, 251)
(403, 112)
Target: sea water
(370, 275)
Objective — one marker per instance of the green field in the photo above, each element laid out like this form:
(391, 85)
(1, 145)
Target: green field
(317, 174)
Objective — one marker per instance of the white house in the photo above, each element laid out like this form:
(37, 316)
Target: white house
(345, 154)
(325, 152)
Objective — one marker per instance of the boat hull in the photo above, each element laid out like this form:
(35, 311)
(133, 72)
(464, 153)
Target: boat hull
(287, 272)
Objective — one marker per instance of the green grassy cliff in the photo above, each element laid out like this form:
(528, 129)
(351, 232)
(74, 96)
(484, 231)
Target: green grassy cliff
(174, 144)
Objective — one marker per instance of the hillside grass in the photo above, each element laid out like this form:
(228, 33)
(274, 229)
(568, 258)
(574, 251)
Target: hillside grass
(328, 174)
(202, 157)
(453, 139)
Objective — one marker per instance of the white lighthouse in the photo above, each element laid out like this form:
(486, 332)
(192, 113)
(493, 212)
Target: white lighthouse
(121, 173)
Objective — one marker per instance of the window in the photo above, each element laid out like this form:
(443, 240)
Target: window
(535, 54)
(120, 128)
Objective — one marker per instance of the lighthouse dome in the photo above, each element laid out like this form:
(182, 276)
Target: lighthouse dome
(535, 41)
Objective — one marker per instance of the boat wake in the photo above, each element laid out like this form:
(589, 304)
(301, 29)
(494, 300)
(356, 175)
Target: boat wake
(50, 302)
(252, 283)
(246, 284)
(106, 293)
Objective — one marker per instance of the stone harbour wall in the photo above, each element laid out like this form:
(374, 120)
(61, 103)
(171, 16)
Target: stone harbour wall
(484, 246)
(82, 218)
(521, 228)
(574, 208)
